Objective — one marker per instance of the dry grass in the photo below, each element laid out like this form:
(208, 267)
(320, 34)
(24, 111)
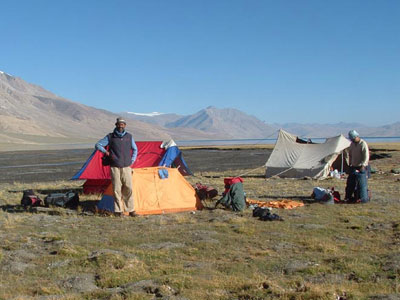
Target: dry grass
(318, 252)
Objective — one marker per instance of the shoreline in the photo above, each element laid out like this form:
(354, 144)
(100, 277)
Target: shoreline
(5, 147)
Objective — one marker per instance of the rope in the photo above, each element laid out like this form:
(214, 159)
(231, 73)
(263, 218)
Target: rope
(257, 143)
(283, 171)
(263, 166)
(277, 131)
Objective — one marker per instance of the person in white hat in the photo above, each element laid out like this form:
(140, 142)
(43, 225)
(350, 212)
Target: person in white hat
(357, 182)
(122, 151)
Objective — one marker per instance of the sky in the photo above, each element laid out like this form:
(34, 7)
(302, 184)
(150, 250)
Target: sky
(281, 61)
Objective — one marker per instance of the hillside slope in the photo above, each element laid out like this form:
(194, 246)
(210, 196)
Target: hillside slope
(28, 110)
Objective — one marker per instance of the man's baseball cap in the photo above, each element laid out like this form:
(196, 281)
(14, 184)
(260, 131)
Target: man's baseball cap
(120, 120)
(353, 134)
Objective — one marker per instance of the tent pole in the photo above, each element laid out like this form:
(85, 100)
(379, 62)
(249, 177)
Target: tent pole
(341, 171)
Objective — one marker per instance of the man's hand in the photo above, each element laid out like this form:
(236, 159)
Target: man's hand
(362, 169)
(107, 153)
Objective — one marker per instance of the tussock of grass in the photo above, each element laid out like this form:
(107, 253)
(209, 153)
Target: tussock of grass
(132, 296)
(112, 277)
(72, 251)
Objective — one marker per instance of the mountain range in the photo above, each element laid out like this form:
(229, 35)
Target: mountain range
(234, 124)
(31, 115)
(226, 123)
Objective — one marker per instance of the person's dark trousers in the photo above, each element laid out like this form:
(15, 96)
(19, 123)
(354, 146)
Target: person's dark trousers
(357, 180)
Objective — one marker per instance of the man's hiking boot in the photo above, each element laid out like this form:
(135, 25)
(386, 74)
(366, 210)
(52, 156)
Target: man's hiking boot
(132, 214)
(118, 214)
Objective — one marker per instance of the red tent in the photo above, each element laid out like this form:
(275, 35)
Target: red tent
(150, 154)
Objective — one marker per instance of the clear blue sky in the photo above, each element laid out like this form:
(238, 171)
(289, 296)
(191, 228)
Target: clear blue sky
(282, 61)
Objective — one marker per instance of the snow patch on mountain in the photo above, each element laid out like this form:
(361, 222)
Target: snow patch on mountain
(152, 114)
(1, 72)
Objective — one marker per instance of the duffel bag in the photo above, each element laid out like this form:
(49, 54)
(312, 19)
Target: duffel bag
(68, 200)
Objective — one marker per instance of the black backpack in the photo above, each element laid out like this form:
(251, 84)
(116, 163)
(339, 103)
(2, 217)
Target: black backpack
(260, 212)
(264, 214)
(66, 200)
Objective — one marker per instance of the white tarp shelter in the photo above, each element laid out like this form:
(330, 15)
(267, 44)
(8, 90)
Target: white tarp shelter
(291, 159)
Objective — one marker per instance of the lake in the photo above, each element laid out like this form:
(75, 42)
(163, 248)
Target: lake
(395, 139)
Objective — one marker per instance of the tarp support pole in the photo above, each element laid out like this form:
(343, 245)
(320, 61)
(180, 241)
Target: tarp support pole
(341, 171)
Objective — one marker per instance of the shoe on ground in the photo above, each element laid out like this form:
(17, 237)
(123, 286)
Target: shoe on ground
(118, 214)
(132, 214)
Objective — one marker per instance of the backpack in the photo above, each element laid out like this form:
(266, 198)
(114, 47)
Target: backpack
(30, 199)
(66, 200)
(233, 197)
(260, 211)
(264, 214)
(205, 192)
(323, 195)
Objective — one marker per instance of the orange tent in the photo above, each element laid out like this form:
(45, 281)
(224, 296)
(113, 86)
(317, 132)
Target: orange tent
(157, 190)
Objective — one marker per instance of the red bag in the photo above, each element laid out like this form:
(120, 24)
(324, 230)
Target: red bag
(30, 199)
(336, 195)
(205, 192)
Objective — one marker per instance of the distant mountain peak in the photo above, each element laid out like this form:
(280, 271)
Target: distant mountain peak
(152, 114)
(225, 122)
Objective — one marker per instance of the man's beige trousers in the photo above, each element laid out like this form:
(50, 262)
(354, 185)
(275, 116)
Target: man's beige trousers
(121, 179)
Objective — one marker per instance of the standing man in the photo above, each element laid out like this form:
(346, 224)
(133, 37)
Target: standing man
(122, 151)
(358, 160)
